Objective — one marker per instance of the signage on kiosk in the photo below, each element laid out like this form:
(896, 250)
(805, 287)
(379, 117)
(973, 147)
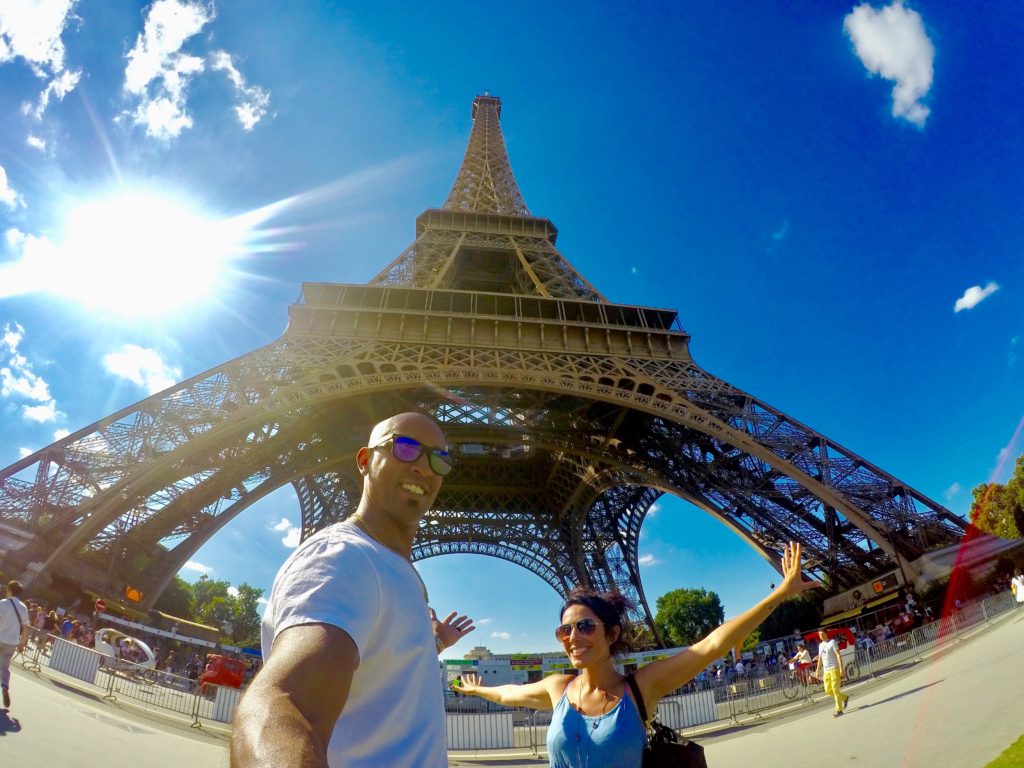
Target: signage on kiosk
(101, 606)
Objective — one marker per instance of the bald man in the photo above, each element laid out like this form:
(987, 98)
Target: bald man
(350, 645)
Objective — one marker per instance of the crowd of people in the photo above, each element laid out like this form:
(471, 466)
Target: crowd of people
(175, 659)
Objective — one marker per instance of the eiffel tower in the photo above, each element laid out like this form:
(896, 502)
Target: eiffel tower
(569, 416)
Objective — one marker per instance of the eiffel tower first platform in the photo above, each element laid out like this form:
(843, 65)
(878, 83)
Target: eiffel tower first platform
(569, 416)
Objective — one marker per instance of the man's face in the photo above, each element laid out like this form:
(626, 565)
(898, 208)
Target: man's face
(405, 489)
(823, 635)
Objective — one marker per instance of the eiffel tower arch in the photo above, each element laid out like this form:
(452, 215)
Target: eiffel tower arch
(569, 415)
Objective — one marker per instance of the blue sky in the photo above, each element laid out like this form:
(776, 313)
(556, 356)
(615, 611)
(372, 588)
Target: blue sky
(829, 194)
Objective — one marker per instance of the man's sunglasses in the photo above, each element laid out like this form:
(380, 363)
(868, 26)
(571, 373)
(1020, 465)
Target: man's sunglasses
(408, 450)
(585, 627)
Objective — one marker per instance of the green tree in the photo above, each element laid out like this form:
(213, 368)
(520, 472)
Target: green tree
(246, 620)
(686, 615)
(752, 640)
(996, 509)
(219, 612)
(206, 590)
(177, 599)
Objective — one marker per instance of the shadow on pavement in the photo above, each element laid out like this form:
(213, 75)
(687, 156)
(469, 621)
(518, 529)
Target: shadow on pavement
(77, 691)
(898, 695)
(8, 725)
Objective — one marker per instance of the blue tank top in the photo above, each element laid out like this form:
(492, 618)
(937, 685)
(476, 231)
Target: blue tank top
(613, 740)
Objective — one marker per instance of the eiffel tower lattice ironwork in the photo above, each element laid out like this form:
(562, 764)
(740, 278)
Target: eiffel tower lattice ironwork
(569, 416)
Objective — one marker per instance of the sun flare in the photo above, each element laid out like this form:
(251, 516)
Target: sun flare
(140, 253)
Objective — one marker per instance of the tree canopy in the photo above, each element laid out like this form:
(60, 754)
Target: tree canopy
(216, 603)
(999, 509)
(686, 615)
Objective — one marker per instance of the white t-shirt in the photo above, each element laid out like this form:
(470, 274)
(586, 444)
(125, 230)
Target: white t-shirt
(829, 653)
(1019, 581)
(10, 630)
(394, 714)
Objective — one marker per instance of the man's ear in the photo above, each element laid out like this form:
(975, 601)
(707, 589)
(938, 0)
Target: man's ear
(363, 460)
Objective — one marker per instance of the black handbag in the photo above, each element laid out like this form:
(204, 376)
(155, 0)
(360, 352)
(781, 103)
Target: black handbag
(665, 748)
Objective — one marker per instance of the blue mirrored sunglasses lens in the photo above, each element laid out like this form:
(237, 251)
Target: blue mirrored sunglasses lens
(407, 449)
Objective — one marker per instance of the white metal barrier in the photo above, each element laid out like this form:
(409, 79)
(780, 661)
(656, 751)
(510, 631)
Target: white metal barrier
(485, 731)
(688, 710)
(506, 729)
(75, 660)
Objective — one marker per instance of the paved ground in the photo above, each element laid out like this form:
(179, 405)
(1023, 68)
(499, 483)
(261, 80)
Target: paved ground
(53, 724)
(958, 710)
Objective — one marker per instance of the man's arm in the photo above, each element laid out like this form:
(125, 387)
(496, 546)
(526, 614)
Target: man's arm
(286, 718)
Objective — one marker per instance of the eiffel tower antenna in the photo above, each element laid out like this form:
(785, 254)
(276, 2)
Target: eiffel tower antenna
(569, 416)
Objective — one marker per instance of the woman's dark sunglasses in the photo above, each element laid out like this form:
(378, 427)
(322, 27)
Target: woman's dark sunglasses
(585, 627)
(408, 450)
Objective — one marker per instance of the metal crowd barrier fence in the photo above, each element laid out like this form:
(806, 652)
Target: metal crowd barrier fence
(117, 678)
(474, 724)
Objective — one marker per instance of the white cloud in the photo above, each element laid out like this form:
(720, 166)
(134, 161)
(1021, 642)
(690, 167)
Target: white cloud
(892, 42)
(951, 493)
(501, 635)
(17, 379)
(292, 533)
(36, 143)
(26, 272)
(142, 366)
(158, 72)
(41, 413)
(483, 622)
(23, 452)
(60, 86)
(31, 30)
(233, 591)
(8, 196)
(974, 295)
(648, 560)
(253, 100)
(192, 565)
(781, 232)
(653, 509)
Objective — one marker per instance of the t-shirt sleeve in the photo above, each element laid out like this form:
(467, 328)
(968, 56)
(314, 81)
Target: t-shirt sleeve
(328, 582)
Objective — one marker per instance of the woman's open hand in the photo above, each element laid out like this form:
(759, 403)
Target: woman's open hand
(793, 582)
(468, 683)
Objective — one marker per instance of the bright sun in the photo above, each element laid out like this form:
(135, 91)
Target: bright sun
(140, 253)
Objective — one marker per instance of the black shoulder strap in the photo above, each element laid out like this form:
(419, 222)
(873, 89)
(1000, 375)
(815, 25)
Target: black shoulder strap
(17, 615)
(637, 697)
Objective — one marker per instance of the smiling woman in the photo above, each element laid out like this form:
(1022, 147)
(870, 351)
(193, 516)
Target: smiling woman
(139, 253)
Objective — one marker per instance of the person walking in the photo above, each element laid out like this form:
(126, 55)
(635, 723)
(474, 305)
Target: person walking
(14, 628)
(596, 719)
(350, 645)
(830, 661)
(1017, 586)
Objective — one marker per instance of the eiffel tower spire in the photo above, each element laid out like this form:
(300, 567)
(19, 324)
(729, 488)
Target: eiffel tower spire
(485, 182)
(484, 238)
